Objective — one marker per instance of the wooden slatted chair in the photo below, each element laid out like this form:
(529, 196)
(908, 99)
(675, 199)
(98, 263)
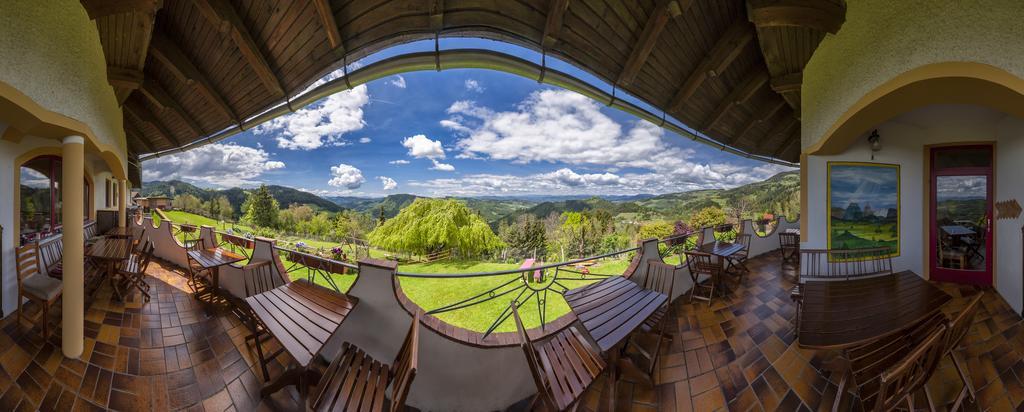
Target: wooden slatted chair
(199, 277)
(563, 366)
(51, 255)
(660, 277)
(258, 277)
(134, 269)
(36, 286)
(739, 259)
(356, 381)
(789, 244)
(898, 384)
(957, 330)
(703, 264)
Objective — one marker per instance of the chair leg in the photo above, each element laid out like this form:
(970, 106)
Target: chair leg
(259, 350)
(46, 320)
(928, 397)
(20, 304)
(968, 385)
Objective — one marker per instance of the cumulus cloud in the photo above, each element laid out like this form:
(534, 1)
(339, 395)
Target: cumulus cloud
(444, 167)
(365, 140)
(421, 146)
(217, 164)
(474, 86)
(398, 81)
(399, 162)
(387, 182)
(346, 176)
(320, 124)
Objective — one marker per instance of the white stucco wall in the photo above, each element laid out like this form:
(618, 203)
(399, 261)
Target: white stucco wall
(903, 141)
(50, 51)
(883, 38)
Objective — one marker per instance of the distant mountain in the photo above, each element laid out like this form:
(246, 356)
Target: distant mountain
(779, 194)
(490, 208)
(544, 209)
(285, 195)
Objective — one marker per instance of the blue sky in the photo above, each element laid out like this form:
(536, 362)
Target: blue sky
(460, 133)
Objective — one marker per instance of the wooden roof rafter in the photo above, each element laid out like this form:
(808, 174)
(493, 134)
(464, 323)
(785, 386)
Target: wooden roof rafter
(169, 54)
(103, 8)
(763, 115)
(715, 62)
(821, 15)
(656, 22)
(222, 14)
(739, 96)
(781, 128)
(330, 24)
(553, 22)
(156, 94)
(134, 133)
(143, 115)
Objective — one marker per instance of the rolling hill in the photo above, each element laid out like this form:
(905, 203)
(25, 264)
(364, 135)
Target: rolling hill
(285, 195)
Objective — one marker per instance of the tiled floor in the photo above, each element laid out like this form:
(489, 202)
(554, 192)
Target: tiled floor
(739, 354)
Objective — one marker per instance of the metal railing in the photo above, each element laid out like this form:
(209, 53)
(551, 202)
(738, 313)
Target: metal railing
(315, 266)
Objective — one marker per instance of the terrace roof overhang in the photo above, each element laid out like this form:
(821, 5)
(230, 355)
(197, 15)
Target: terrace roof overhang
(180, 68)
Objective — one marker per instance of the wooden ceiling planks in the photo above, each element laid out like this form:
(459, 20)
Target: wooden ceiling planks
(696, 59)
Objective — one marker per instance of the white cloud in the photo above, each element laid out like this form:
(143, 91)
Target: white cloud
(444, 167)
(346, 176)
(421, 146)
(365, 140)
(399, 162)
(217, 164)
(398, 81)
(320, 124)
(387, 182)
(474, 86)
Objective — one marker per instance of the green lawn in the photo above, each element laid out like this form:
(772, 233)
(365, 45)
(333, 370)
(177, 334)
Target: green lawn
(435, 293)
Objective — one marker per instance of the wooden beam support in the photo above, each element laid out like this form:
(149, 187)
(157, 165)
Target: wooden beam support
(787, 83)
(124, 77)
(715, 62)
(133, 130)
(762, 116)
(168, 53)
(645, 43)
(820, 15)
(323, 8)
(156, 94)
(102, 8)
(222, 14)
(788, 143)
(553, 25)
(436, 15)
(782, 128)
(739, 96)
(143, 115)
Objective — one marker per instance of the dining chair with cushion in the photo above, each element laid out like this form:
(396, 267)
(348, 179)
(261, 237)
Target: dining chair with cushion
(700, 265)
(357, 381)
(958, 328)
(649, 341)
(35, 286)
(559, 388)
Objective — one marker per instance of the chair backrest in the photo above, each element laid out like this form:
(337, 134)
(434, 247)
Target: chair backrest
(145, 256)
(789, 241)
(403, 370)
(958, 327)
(260, 277)
(51, 251)
(701, 263)
(911, 373)
(660, 277)
(89, 231)
(845, 263)
(27, 261)
(531, 358)
(743, 239)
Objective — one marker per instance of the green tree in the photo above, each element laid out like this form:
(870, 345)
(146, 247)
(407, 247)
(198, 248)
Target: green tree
(708, 216)
(188, 203)
(432, 225)
(262, 209)
(525, 237)
(576, 232)
(226, 210)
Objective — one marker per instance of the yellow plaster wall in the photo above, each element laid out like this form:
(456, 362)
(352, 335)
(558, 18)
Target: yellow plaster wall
(882, 39)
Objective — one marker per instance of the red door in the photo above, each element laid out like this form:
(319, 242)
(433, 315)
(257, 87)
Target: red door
(961, 214)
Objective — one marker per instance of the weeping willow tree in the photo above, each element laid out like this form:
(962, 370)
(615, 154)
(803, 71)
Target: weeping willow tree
(432, 225)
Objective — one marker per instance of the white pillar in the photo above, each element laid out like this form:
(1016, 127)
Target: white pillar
(72, 209)
(122, 203)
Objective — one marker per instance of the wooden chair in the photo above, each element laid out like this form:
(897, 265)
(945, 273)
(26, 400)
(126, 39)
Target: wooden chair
(660, 277)
(739, 259)
(355, 380)
(51, 255)
(790, 246)
(199, 278)
(35, 286)
(957, 330)
(570, 365)
(703, 264)
(897, 384)
(258, 277)
(134, 269)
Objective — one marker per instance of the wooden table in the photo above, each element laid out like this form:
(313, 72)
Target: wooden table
(119, 232)
(724, 251)
(108, 252)
(213, 259)
(302, 316)
(957, 230)
(610, 310)
(844, 314)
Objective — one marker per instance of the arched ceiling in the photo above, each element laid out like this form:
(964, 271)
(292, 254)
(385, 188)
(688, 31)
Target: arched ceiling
(187, 69)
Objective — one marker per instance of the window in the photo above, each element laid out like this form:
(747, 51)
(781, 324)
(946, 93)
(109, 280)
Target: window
(41, 198)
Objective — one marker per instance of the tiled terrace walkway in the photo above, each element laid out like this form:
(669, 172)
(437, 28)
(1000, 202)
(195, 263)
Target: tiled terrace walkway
(739, 354)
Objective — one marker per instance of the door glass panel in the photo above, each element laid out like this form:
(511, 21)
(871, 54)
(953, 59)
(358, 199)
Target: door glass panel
(963, 157)
(962, 221)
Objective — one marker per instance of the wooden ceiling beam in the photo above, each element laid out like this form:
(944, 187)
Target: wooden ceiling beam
(323, 8)
(132, 129)
(168, 53)
(787, 83)
(793, 138)
(436, 15)
(223, 15)
(156, 94)
(124, 77)
(820, 15)
(762, 116)
(103, 8)
(553, 24)
(739, 96)
(725, 50)
(143, 115)
(782, 128)
(656, 23)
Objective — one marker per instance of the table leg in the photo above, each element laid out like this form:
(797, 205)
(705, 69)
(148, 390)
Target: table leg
(613, 375)
(112, 275)
(289, 377)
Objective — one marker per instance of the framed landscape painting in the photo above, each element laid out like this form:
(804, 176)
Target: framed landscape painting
(864, 205)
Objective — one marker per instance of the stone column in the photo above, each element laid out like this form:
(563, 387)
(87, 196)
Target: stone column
(72, 192)
(122, 203)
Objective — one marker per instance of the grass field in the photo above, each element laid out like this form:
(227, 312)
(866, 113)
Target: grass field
(856, 235)
(435, 293)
